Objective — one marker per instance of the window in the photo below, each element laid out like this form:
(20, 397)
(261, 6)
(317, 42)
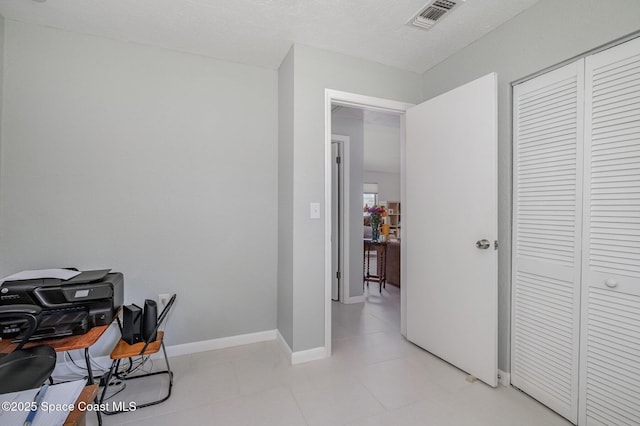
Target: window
(370, 195)
(369, 199)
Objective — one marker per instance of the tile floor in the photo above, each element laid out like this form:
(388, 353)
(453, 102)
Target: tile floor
(375, 377)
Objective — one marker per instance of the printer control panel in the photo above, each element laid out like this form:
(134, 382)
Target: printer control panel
(71, 294)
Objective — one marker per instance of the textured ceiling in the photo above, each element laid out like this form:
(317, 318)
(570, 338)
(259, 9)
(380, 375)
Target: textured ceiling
(260, 32)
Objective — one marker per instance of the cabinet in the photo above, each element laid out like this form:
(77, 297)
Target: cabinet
(576, 238)
(393, 218)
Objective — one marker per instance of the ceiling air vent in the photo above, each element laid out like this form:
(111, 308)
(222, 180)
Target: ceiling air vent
(433, 12)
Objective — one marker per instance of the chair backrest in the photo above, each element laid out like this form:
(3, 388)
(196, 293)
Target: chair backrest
(24, 368)
(22, 314)
(161, 318)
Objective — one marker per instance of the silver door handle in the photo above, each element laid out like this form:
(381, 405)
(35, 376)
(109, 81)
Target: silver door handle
(483, 244)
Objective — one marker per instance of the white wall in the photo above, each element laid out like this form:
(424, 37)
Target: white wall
(382, 159)
(388, 184)
(158, 164)
(354, 128)
(382, 148)
(314, 71)
(285, 198)
(1, 88)
(549, 32)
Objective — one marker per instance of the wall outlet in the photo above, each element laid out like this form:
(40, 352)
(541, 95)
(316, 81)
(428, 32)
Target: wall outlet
(163, 299)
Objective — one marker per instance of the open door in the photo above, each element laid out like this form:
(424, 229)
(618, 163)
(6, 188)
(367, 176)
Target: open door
(336, 221)
(450, 227)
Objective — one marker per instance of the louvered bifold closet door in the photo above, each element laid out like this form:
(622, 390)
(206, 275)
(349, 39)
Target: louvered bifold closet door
(610, 341)
(548, 125)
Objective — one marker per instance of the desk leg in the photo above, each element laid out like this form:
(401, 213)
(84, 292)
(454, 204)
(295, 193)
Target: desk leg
(367, 274)
(88, 361)
(90, 382)
(383, 267)
(364, 266)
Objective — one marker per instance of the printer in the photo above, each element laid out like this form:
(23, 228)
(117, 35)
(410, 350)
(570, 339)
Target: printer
(69, 307)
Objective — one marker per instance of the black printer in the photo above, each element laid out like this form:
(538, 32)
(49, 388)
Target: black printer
(69, 307)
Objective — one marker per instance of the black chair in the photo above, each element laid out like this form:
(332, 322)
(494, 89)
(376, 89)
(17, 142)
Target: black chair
(24, 368)
(123, 350)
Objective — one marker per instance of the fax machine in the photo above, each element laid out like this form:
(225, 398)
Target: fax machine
(69, 307)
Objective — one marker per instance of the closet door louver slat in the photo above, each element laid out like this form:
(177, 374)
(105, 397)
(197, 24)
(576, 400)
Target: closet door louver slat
(610, 339)
(548, 126)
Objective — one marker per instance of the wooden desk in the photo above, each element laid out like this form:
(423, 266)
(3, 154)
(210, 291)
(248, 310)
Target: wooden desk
(63, 344)
(79, 417)
(69, 343)
(380, 276)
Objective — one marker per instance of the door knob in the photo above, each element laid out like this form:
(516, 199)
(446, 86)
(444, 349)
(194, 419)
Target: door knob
(611, 283)
(483, 244)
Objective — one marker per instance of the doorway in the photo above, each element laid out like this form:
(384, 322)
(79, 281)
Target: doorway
(374, 183)
(350, 294)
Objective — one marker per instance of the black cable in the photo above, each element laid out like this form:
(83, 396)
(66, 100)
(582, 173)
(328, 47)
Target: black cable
(124, 386)
(74, 363)
(83, 368)
(122, 374)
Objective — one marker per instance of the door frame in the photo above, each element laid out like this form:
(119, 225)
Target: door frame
(344, 142)
(369, 103)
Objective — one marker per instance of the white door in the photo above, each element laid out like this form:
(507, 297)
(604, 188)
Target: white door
(610, 340)
(336, 220)
(547, 213)
(451, 203)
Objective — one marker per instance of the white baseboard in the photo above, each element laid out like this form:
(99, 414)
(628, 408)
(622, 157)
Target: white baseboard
(504, 378)
(308, 355)
(284, 345)
(221, 343)
(354, 299)
(300, 356)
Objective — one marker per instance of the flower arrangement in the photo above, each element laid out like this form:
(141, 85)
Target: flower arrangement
(375, 219)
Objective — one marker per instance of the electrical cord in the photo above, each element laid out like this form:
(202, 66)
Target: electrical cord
(94, 364)
(96, 367)
(139, 364)
(122, 385)
(76, 372)
(68, 354)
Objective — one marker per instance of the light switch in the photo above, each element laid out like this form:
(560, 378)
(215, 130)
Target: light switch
(314, 211)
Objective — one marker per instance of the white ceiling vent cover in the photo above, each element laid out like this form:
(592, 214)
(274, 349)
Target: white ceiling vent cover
(433, 12)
